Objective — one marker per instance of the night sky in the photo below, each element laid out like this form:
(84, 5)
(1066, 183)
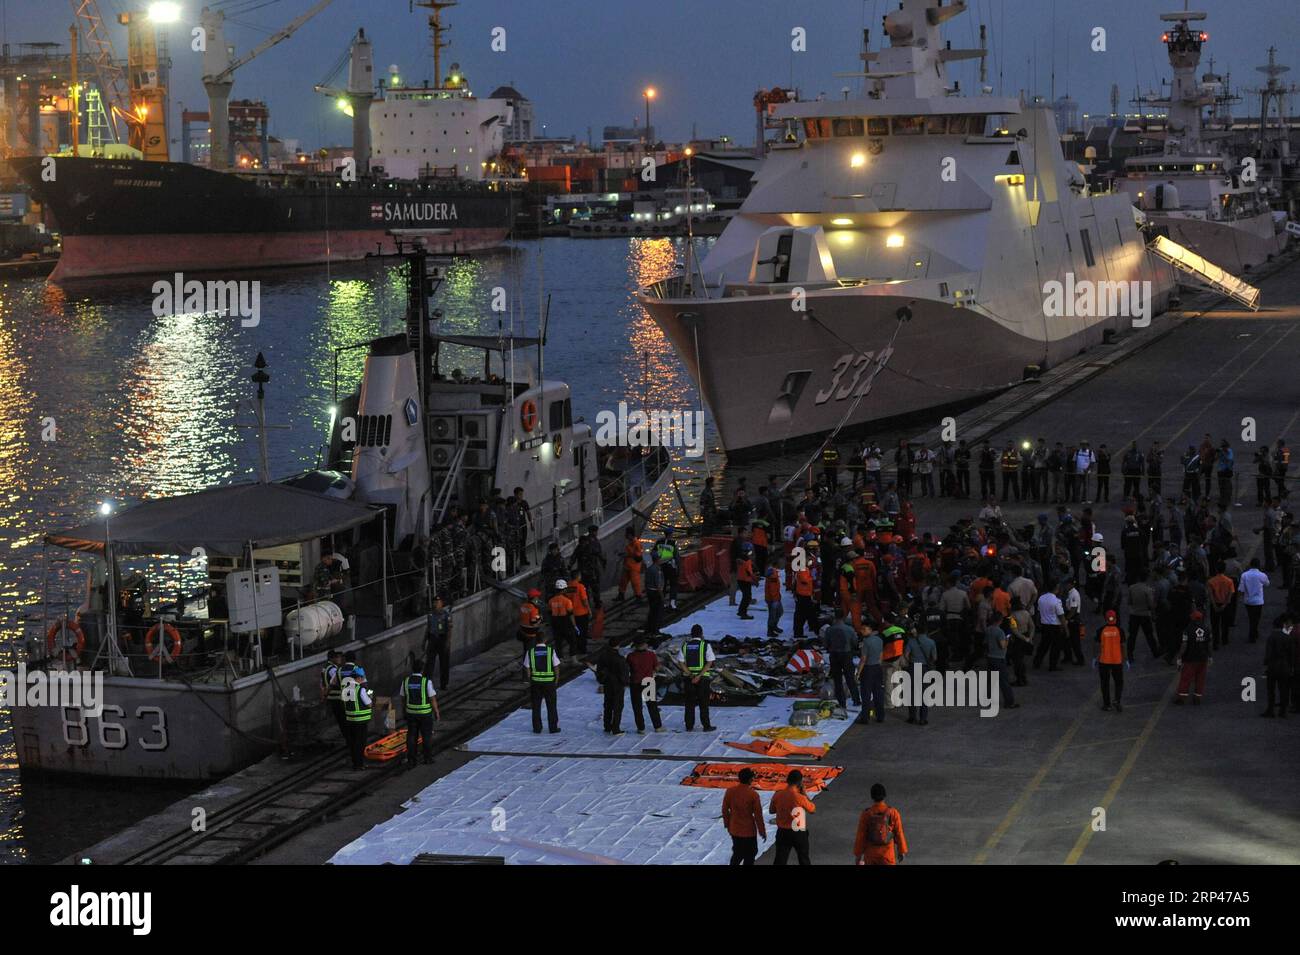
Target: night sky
(583, 63)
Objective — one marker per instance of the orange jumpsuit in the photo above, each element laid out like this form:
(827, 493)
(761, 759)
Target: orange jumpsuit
(869, 853)
(631, 568)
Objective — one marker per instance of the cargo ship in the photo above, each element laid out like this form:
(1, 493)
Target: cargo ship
(123, 216)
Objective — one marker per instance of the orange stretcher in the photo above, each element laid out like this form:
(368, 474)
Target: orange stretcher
(769, 776)
(387, 747)
(779, 748)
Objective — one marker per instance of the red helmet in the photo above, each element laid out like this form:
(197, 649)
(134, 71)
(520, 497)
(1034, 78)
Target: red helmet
(534, 594)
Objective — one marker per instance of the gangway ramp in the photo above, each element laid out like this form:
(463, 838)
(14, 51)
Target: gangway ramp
(1205, 271)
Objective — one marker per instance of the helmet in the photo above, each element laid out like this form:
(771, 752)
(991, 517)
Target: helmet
(561, 584)
(534, 594)
(846, 542)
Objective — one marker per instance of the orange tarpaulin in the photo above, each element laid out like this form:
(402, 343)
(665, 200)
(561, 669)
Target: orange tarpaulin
(769, 776)
(779, 747)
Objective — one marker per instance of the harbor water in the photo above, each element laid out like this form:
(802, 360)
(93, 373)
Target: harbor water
(100, 399)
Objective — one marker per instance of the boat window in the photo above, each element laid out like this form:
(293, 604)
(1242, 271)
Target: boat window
(908, 125)
(847, 126)
(975, 124)
(958, 124)
(824, 129)
(559, 415)
(936, 125)
(810, 128)
(1087, 247)
(877, 126)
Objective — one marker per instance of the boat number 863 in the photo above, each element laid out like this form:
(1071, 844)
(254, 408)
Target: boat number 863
(152, 734)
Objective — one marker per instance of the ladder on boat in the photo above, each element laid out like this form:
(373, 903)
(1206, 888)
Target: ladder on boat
(1205, 271)
(443, 498)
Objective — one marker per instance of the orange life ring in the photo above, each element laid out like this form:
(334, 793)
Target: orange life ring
(528, 415)
(52, 639)
(171, 656)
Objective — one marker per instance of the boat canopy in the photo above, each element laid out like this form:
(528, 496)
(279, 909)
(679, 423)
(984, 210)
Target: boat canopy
(222, 520)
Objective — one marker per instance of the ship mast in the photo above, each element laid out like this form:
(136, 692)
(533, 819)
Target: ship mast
(436, 30)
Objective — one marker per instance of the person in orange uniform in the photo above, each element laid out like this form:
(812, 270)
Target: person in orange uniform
(772, 597)
(561, 608)
(864, 585)
(805, 604)
(1111, 661)
(880, 828)
(746, 579)
(742, 814)
(530, 618)
(632, 564)
(791, 807)
(761, 543)
(577, 594)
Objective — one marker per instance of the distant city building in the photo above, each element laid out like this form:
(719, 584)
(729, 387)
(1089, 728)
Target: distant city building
(521, 126)
(628, 134)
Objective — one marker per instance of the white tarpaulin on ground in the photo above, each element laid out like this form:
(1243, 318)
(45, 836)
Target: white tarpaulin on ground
(581, 711)
(719, 619)
(537, 810)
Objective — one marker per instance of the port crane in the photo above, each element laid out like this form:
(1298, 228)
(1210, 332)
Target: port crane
(219, 68)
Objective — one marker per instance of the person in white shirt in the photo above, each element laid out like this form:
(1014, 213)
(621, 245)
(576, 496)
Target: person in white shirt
(991, 511)
(1085, 463)
(872, 460)
(1050, 614)
(1073, 614)
(1253, 583)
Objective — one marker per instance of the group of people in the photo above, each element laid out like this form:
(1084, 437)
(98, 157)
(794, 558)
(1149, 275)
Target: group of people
(345, 688)
(1060, 473)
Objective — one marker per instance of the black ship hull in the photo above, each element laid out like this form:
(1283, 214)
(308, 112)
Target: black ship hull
(119, 217)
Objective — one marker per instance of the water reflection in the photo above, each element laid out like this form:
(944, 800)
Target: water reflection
(150, 406)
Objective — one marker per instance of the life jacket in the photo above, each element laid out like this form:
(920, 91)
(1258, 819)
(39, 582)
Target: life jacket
(760, 536)
(745, 572)
(1112, 644)
(354, 708)
(543, 668)
(561, 606)
(529, 617)
(696, 654)
(581, 606)
(415, 694)
(892, 638)
(801, 661)
(772, 586)
(803, 584)
(332, 682)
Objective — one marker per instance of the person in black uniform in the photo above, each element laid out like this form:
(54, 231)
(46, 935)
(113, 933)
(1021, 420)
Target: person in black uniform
(1155, 461)
(543, 668)
(1103, 475)
(331, 689)
(694, 659)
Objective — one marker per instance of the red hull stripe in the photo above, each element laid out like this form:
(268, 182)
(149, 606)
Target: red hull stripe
(88, 256)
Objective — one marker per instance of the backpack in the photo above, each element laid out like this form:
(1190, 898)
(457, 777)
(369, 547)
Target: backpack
(879, 831)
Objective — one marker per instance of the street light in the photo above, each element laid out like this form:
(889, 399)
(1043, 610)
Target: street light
(649, 94)
(164, 12)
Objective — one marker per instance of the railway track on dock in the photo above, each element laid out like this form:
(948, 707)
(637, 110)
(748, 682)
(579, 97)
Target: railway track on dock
(325, 783)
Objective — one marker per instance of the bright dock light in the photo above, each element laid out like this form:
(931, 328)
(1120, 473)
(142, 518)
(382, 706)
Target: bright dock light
(895, 241)
(164, 12)
(858, 160)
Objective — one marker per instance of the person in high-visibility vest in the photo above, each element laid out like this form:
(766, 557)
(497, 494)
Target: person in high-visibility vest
(891, 654)
(543, 669)
(632, 564)
(581, 600)
(1111, 661)
(667, 550)
(357, 707)
(530, 618)
(331, 689)
(694, 659)
(420, 703)
(561, 608)
(745, 579)
(1281, 464)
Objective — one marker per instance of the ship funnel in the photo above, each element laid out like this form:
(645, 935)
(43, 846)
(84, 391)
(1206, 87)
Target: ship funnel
(389, 463)
(361, 91)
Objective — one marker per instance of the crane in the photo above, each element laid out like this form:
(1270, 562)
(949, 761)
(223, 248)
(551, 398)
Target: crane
(109, 74)
(219, 69)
